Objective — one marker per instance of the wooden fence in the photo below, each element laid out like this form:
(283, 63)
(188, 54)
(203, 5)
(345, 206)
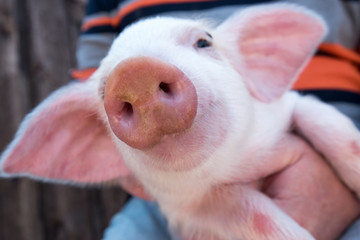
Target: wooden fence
(37, 50)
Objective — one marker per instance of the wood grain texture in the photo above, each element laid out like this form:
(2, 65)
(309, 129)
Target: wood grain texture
(37, 51)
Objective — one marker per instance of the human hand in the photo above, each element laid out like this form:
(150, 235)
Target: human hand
(312, 194)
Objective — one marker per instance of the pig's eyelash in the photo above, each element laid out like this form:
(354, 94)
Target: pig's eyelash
(102, 88)
(102, 93)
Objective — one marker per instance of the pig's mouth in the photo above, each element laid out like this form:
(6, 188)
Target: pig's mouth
(190, 148)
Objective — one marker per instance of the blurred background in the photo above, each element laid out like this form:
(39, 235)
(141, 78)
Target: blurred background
(37, 52)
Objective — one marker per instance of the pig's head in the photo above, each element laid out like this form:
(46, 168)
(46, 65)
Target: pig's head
(172, 96)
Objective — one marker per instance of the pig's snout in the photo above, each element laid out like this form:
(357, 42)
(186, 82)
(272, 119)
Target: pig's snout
(146, 99)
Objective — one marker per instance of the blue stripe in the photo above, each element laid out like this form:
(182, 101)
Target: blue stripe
(96, 6)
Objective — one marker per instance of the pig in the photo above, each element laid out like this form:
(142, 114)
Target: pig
(196, 114)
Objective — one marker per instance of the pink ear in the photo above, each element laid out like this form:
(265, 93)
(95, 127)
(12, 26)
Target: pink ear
(274, 44)
(64, 139)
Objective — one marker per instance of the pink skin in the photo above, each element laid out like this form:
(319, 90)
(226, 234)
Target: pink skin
(311, 193)
(271, 74)
(59, 143)
(355, 145)
(262, 223)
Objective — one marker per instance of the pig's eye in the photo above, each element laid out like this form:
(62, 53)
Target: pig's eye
(203, 43)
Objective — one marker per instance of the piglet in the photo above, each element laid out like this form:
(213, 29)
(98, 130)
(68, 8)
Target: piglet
(194, 113)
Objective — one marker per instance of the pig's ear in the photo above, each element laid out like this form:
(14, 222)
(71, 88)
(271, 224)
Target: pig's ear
(273, 44)
(64, 140)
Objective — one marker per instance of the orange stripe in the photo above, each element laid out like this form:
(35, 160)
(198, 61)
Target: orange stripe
(100, 21)
(114, 21)
(329, 73)
(82, 75)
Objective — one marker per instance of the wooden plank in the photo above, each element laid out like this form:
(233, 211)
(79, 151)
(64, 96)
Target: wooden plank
(37, 45)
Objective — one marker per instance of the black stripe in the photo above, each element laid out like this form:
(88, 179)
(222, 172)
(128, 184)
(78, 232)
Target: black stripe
(157, 9)
(101, 29)
(325, 54)
(334, 95)
(97, 6)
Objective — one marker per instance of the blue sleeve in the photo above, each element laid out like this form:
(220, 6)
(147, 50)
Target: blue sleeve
(138, 220)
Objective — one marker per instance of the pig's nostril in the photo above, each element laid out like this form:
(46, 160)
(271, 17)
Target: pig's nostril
(165, 87)
(127, 110)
